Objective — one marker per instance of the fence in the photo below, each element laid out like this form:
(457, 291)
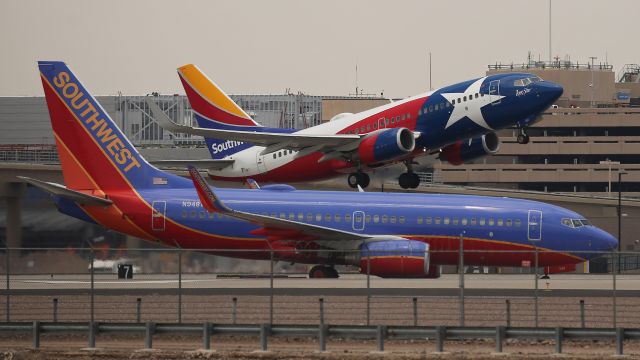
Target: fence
(176, 286)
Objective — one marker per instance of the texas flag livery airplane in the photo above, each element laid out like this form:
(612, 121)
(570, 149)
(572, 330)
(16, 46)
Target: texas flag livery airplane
(386, 234)
(456, 123)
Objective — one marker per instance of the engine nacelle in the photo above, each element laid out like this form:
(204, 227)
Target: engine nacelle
(465, 151)
(396, 259)
(384, 145)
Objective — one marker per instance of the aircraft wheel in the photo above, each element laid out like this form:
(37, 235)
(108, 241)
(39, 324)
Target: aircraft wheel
(352, 180)
(363, 180)
(404, 180)
(523, 138)
(323, 272)
(414, 180)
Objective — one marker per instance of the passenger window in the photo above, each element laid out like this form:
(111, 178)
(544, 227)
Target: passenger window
(393, 120)
(435, 107)
(300, 216)
(327, 217)
(402, 219)
(430, 108)
(202, 215)
(464, 221)
(446, 220)
(193, 213)
(408, 115)
(476, 95)
(428, 220)
(455, 221)
(318, 217)
(384, 219)
(292, 216)
(274, 215)
(500, 222)
(274, 155)
(367, 219)
(375, 125)
(357, 131)
(459, 101)
(362, 129)
(368, 127)
(402, 117)
(283, 216)
(464, 98)
(509, 222)
(437, 220)
(419, 112)
(376, 218)
(518, 222)
(386, 121)
(473, 221)
(392, 220)
(309, 217)
(491, 222)
(482, 221)
(419, 220)
(336, 218)
(211, 215)
(184, 213)
(347, 218)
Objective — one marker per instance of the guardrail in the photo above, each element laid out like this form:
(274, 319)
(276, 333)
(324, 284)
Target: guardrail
(323, 331)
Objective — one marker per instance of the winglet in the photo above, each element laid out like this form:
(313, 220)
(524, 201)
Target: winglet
(252, 184)
(207, 197)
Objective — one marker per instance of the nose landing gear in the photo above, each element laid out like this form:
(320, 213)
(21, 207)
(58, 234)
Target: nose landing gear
(523, 138)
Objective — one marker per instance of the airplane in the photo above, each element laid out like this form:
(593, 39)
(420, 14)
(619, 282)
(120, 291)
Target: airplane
(402, 235)
(455, 123)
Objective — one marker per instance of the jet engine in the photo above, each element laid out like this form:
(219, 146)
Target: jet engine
(397, 259)
(384, 145)
(465, 151)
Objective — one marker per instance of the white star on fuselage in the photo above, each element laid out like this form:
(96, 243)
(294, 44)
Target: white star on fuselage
(472, 107)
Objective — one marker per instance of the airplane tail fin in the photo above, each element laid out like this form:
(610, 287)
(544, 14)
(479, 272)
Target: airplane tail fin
(93, 152)
(215, 110)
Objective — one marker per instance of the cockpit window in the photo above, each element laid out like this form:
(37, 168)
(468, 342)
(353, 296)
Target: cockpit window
(585, 222)
(577, 223)
(567, 222)
(526, 81)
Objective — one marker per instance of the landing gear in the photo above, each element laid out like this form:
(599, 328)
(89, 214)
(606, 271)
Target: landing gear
(409, 180)
(358, 178)
(523, 138)
(323, 272)
(545, 277)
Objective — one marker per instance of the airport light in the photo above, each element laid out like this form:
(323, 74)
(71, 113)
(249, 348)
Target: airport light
(620, 215)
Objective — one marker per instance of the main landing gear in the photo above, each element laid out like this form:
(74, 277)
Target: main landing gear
(523, 138)
(358, 178)
(409, 180)
(323, 272)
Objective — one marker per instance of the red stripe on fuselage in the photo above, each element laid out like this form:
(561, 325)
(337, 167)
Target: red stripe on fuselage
(400, 111)
(204, 107)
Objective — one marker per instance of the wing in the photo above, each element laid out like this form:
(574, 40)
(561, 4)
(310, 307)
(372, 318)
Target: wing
(278, 228)
(271, 141)
(212, 164)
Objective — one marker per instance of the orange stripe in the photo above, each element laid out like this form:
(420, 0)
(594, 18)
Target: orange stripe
(209, 91)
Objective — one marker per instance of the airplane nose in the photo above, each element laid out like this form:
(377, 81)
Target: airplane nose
(607, 241)
(549, 91)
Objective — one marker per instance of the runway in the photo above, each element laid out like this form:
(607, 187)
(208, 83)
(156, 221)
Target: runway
(573, 285)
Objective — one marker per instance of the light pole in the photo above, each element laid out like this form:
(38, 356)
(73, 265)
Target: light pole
(592, 85)
(619, 215)
(609, 162)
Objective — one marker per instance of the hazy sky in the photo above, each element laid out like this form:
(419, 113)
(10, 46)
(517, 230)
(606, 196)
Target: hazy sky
(265, 47)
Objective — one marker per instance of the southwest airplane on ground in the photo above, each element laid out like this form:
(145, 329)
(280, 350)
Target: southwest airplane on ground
(456, 123)
(386, 234)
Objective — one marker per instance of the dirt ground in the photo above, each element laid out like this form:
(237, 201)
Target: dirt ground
(17, 347)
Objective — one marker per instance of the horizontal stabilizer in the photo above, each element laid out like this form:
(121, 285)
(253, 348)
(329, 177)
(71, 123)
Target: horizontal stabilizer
(61, 190)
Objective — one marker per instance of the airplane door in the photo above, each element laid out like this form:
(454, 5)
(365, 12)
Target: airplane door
(358, 220)
(261, 162)
(158, 215)
(534, 232)
(494, 92)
